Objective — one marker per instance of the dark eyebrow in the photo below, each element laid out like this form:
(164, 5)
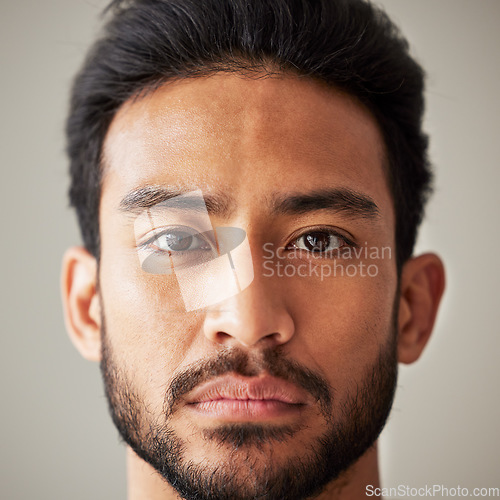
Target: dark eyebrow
(345, 201)
(140, 199)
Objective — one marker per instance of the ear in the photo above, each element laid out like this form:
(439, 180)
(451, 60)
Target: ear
(421, 288)
(81, 305)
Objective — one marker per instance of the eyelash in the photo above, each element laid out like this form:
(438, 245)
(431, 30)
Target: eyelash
(148, 244)
(347, 242)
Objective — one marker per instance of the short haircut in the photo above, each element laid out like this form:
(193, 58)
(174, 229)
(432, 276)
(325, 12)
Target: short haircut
(349, 44)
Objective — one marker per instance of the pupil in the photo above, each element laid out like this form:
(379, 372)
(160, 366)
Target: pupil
(317, 241)
(178, 242)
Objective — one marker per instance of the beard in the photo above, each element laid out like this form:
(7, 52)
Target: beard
(250, 470)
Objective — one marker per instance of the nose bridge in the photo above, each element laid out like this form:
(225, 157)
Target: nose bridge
(256, 314)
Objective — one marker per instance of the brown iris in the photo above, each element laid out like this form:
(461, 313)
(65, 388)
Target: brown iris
(317, 241)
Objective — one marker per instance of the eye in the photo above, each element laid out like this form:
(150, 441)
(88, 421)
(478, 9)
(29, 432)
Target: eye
(177, 240)
(319, 242)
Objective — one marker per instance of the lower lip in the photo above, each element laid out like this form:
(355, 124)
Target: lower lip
(247, 409)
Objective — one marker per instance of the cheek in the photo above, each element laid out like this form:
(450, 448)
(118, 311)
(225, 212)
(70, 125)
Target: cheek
(345, 321)
(146, 324)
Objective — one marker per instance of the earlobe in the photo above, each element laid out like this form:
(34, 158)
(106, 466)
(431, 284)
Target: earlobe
(81, 304)
(421, 288)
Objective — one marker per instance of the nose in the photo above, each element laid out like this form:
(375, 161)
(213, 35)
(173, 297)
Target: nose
(255, 316)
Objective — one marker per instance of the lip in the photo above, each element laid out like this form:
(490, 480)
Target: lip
(234, 398)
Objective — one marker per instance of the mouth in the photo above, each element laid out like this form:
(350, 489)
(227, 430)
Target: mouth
(243, 399)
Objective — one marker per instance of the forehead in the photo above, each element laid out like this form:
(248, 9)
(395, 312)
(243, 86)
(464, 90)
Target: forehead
(246, 137)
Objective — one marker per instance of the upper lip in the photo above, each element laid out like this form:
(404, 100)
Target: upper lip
(264, 388)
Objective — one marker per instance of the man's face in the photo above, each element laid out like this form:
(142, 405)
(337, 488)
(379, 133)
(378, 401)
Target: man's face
(262, 389)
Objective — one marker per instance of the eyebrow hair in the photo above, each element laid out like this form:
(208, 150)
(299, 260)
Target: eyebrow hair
(146, 197)
(346, 201)
(341, 200)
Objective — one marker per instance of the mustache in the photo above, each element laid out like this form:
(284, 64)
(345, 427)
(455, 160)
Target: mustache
(271, 361)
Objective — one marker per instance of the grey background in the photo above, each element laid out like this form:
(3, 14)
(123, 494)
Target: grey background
(57, 441)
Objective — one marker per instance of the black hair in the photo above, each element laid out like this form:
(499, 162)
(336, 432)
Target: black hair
(349, 44)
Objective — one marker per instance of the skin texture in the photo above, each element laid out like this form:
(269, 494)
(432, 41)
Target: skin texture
(249, 140)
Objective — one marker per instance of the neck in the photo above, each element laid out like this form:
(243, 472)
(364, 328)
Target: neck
(144, 483)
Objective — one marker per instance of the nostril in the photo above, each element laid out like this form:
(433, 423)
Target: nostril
(246, 339)
(222, 337)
